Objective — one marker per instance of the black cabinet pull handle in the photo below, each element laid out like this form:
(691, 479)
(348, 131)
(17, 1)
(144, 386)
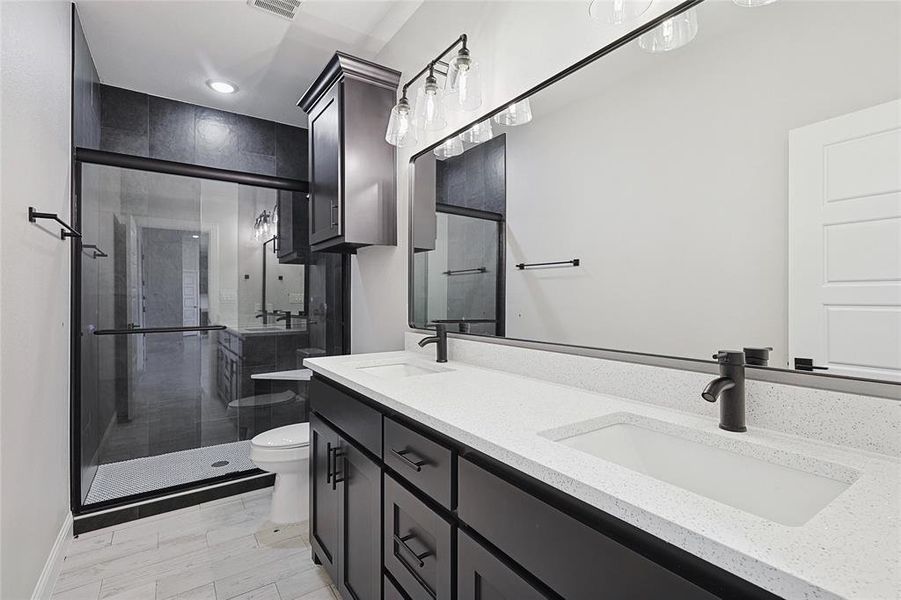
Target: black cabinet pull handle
(402, 542)
(328, 462)
(336, 453)
(416, 465)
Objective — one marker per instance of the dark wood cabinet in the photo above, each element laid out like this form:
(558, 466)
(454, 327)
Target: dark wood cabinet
(293, 245)
(401, 512)
(352, 167)
(359, 524)
(323, 496)
(483, 576)
(345, 512)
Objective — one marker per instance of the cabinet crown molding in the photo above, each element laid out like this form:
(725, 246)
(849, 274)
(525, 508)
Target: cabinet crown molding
(344, 65)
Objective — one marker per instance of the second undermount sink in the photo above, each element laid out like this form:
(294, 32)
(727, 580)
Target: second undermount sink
(402, 370)
(767, 487)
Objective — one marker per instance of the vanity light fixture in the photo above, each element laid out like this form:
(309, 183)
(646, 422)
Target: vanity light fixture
(429, 112)
(673, 33)
(752, 3)
(617, 12)
(461, 90)
(478, 133)
(452, 147)
(517, 113)
(463, 86)
(265, 225)
(401, 131)
(222, 86)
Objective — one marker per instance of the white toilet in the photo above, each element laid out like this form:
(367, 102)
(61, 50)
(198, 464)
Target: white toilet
(285, 451)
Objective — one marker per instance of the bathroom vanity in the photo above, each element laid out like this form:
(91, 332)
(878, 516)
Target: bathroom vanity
(244, 352)
(453, 481)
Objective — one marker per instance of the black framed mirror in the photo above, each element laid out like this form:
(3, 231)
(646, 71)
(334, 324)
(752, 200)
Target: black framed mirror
(741, 190)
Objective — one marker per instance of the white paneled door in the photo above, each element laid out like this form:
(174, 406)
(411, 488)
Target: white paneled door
(845, 243)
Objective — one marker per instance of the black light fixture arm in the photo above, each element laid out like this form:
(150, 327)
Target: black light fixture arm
(430, 68)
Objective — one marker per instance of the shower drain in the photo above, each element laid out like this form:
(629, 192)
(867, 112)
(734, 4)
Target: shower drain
(219, 463)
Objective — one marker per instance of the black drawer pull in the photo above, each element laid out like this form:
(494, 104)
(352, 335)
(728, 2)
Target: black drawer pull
(416, 465)
(402, 542)
(328, 462)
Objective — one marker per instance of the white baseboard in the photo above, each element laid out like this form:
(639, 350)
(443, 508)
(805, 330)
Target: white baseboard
(44, 587)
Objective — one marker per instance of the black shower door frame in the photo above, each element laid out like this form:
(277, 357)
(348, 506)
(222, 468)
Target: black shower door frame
(112, 159)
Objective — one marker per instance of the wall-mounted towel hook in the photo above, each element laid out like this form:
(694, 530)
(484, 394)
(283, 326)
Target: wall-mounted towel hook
(69, 231)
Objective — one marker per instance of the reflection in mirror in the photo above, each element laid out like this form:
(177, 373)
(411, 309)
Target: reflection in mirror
(742, 190)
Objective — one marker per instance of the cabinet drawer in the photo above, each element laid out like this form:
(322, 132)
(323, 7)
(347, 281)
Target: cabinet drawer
(360, 422)
(482, 576)
(417, 545)
(571, 558)
(391, 591)
(419, 460)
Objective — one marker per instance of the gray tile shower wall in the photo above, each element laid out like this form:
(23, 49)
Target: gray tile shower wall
(477, 178)
(149, 126)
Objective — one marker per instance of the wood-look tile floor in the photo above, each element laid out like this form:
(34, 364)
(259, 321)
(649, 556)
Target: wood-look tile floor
(222, 550)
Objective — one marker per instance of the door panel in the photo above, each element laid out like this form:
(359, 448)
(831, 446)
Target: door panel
(325, 171)
(845, 243)
(359, 525)
(323, 495)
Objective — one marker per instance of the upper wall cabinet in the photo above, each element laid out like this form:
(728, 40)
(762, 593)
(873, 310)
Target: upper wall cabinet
(352, 169)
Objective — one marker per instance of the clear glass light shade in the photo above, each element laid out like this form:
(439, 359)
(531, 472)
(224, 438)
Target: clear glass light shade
(617, 12)
(428, 114)
(478, 133)
(671, 34)
(463, 86)
(752, 3)
(401, 131)
(517, 113)
(451, 147)
(264, 227)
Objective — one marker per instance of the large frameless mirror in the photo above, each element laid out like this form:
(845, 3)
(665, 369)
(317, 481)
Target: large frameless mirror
(731, 178)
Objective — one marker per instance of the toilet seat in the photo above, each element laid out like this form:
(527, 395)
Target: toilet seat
(283, 438)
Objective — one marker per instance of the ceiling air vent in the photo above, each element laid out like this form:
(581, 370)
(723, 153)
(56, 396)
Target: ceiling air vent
(286, 9)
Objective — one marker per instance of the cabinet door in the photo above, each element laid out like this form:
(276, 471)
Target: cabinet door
(482, 576)
(359, 524)
(323, 495)
(326, 167)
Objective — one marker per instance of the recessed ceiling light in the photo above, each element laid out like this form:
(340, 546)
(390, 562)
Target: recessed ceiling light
(222, 86)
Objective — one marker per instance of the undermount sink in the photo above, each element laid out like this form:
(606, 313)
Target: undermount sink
(401, 370)
(666, 452)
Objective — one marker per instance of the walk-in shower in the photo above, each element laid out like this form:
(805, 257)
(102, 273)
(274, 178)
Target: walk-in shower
(168, 290)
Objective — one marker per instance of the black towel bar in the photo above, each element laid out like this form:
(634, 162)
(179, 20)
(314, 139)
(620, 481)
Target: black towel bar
(462, 271)
(69, 231)
(98, 253)
(574, 263)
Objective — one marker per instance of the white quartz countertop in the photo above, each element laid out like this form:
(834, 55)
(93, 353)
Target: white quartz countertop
(294, 375)
(851, 549)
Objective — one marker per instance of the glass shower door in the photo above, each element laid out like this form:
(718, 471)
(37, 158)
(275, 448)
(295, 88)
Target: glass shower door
(148, 398)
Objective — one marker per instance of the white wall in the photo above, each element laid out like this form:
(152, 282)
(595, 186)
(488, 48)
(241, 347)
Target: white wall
(518, 45)
(34, 288)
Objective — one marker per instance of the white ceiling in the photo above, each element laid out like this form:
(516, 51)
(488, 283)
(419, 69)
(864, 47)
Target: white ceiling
(171, 48)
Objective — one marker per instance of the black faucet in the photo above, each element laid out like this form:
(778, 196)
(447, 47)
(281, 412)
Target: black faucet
(286, 317)
(440, 339)
(729, 388)
(264, 314)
